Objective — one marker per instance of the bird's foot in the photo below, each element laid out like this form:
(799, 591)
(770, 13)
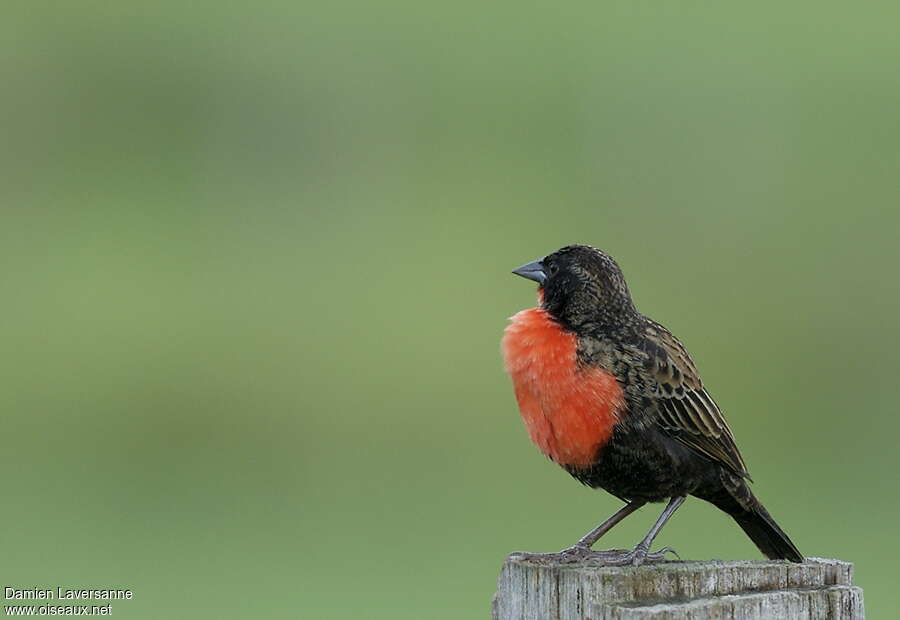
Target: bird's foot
(612, 557)
(570, 555)
(632, 557)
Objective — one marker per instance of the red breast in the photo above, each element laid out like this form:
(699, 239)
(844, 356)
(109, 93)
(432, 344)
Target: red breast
(568, 409)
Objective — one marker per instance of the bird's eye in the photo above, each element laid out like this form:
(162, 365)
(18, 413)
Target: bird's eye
(553, 268)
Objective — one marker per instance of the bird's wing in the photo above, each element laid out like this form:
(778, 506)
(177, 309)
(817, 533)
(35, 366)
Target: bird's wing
(686, 410)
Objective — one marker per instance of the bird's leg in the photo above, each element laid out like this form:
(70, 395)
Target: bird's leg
(641, 553)
(587, 541)
(582, 549)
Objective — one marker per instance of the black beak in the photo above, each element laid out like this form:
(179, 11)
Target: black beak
(532, 271)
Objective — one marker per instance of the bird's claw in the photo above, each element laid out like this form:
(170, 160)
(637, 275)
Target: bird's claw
(610, 557)
(634, 557)
(665, 550)
(569, 555)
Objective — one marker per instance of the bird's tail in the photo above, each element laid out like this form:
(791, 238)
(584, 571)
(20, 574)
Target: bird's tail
(765, 533)
(759, 525)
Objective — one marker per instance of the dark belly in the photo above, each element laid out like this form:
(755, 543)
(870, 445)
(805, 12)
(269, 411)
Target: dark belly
(645, 465)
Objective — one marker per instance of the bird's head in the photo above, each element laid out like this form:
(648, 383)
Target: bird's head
(580, 285)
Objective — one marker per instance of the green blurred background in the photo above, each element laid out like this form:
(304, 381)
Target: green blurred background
(256, 269)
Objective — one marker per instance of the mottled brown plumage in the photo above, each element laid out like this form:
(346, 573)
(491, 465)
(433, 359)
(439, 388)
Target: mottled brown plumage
(686, 410)
(667, 438)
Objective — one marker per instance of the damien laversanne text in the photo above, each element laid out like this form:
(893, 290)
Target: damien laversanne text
(67, 594)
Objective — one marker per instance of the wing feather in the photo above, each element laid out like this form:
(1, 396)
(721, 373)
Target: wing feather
(687, 411)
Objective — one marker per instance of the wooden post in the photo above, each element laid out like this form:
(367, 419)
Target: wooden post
(761, 590)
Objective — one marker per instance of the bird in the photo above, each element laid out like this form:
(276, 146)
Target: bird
(616, 400)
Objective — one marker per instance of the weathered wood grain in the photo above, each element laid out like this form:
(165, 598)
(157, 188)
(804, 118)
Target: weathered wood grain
(742, 590)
